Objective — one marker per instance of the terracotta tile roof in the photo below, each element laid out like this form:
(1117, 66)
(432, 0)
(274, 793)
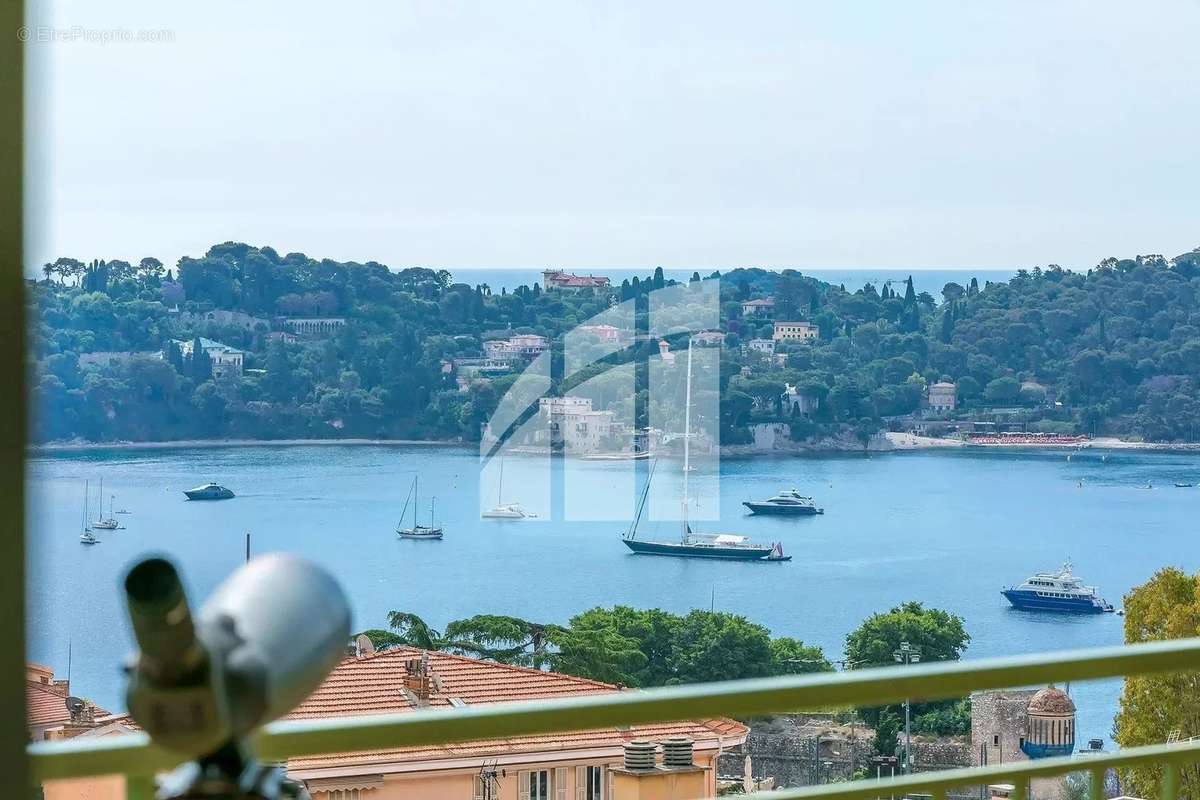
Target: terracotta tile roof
(45, 706)
(375, 685)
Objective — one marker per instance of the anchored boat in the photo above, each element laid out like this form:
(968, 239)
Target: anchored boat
(788, 503)
(418, 531)
(504, 510)
(1061, 591)
(209, 491)
(696, 545)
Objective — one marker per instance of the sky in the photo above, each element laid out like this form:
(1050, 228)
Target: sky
(617, 134)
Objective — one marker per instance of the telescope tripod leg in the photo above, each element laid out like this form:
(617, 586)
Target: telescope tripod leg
(230, 773)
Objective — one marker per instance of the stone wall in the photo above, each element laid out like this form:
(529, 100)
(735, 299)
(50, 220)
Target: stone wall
(805, 749)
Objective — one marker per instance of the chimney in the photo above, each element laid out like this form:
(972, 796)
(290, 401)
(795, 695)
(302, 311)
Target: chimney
(418, 681)
(677, 753)
(639, 755)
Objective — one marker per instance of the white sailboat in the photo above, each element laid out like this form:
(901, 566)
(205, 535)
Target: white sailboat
(504, 510)
(102, 522)
(418, 531)
(86, 537)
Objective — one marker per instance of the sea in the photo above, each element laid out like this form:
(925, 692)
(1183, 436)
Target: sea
(948, 529)
(924, 280)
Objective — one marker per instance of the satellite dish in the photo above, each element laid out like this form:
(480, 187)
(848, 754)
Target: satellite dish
(365, 646)
(74, 705)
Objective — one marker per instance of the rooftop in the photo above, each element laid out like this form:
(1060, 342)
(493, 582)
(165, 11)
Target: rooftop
(375, 684)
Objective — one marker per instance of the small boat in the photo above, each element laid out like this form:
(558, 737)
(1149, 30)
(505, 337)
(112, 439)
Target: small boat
(507, 511)
(209, 491)
(504, 510)
(1184, 485)
(633, 456)
(789, 502)
(417, 531)
(87, 537)
(1061, 591)
(730, 547)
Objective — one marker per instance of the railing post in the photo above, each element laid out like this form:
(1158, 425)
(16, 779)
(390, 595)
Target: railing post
(1018, 792)
(1096, 785)
(1170, 781)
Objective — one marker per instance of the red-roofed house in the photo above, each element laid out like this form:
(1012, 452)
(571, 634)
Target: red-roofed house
(586, 765)
(50, 717)
(557, 279)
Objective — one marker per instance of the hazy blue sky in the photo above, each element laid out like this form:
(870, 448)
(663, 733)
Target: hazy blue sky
(622, 134)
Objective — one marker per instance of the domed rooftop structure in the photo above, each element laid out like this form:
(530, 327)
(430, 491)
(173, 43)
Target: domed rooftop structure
(1049, 724)
(1051, 701)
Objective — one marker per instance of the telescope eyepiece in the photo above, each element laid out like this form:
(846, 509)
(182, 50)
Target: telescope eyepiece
(161, 619)
(153, 584)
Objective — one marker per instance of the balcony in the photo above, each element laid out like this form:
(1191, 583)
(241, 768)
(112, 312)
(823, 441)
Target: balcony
(138, 760)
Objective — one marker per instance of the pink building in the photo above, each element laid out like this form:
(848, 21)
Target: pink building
(588, 765)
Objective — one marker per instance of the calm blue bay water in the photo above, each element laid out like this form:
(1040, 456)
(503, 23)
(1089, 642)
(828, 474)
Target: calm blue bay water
(924, 280)
(947, 529)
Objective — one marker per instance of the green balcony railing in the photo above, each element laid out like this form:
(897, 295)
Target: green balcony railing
(138, 759)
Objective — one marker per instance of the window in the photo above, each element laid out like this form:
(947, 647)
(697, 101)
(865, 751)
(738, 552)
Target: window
(534, 785)
(343, 794)
(589, 783)
(996, 740)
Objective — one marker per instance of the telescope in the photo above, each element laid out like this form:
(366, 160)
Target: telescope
(262, 643)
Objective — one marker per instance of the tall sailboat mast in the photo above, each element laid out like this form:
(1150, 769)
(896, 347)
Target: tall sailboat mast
(687, 440)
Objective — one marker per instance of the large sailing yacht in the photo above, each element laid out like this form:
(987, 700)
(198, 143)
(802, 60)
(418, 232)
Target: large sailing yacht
(690, 544)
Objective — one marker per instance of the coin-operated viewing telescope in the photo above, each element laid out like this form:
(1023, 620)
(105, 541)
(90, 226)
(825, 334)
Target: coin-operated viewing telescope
(260, 645)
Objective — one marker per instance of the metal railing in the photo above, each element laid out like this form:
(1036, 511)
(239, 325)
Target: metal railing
(138, 759)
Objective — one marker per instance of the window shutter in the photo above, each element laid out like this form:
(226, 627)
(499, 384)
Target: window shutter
(580, 783)
(560, 783)
(607, 788)
(523, 785)
(479, 792)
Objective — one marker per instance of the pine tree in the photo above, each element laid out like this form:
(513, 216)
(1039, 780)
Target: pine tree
(948, 325)
(659, 280)
(201, 364)
(910, 294)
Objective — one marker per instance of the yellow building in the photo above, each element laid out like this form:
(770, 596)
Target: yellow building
(671, 761)
(796, 332)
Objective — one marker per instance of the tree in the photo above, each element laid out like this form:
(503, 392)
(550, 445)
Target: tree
(508, 640)
(1165, 607)
(887, 733)
(414, 631)
(651, 632)
(1002, 391)
(937, 635)
(715, 646)
(199, 364)
(791, 656)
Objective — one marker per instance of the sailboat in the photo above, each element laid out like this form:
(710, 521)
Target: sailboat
(690, 544)
(417, 531)
(86, 537)
(102, 522)
(504, 510)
